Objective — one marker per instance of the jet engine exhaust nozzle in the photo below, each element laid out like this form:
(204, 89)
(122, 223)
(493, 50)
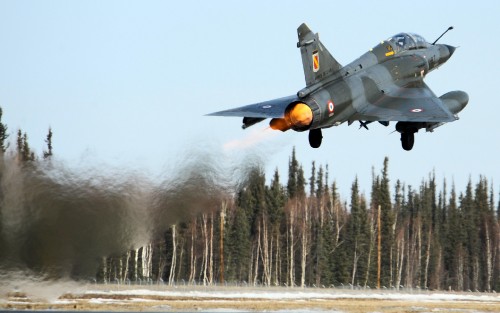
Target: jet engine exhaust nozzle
(297, 116)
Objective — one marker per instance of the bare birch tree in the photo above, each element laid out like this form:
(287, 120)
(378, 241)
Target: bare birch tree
(192, 256)
(305, 242)
(171, 277)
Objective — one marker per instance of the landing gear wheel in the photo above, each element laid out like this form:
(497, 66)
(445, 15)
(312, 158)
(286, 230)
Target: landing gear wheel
(315, 137)
(407, 140)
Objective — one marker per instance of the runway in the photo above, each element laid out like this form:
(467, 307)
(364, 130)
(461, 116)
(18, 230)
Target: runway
(120, 298)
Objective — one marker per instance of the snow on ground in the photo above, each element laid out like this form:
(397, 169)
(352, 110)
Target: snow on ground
(222, 299)
(297, 294)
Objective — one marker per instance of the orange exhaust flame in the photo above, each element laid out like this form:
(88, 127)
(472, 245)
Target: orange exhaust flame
(279, 124)
(299, 116)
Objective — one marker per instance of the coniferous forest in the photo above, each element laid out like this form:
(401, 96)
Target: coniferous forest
(303, 234)
(293, 229)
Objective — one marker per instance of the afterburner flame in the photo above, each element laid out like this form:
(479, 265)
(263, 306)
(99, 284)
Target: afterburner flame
(279, 124)
(299, 116)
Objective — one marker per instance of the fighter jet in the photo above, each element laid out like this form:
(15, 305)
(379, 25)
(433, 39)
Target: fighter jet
(385, 84)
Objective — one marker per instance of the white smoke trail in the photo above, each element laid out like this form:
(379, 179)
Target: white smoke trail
(252, 138)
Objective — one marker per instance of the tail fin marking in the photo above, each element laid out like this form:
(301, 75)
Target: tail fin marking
(318, 63)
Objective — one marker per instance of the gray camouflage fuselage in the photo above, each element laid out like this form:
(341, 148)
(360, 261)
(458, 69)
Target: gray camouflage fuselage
(384, 84)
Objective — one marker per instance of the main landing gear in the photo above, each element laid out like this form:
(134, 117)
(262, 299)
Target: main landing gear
(407, 140)
(315, 137)
(408, 130)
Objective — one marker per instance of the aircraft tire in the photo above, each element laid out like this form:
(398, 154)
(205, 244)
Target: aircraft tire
(407, 140)
(315, 138)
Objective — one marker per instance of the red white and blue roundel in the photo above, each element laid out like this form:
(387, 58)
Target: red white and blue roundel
(331, 107)
(416, 110)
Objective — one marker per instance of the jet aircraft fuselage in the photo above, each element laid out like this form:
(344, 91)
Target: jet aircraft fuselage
(385, 84)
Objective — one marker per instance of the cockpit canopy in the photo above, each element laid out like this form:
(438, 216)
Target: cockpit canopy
(408, 41)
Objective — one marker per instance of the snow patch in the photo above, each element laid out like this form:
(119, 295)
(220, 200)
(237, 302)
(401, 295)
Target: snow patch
(304, 295)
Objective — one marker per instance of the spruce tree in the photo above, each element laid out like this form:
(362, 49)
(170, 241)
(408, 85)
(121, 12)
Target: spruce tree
(320, 186)
(3, 134)
(312, 180)
(485, 229)
(387, 221)
(453, 248)
(24, 153)
(19, 145)
(469, 222)
(48, 141)
(252, 197)
(275, 200)
(293, 169)
(276, 196)
(324, 274)
(498, 208)
(301, 183)
(335, 196)
(238, 252)
(358, 233)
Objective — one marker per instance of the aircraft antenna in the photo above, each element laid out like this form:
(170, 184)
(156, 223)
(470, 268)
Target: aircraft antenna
(449, 28)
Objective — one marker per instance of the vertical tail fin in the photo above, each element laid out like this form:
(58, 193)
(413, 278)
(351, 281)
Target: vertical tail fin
(317, 61)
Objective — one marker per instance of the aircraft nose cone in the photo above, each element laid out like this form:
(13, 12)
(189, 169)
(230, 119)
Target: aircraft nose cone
(445, 52)
(451, 49)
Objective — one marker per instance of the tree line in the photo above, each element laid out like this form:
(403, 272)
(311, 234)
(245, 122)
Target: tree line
(303, 234)
(299, 232)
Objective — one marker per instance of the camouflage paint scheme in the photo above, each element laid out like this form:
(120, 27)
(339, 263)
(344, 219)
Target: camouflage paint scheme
(385, 84)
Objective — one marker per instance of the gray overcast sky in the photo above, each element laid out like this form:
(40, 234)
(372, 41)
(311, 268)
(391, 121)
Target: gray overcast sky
(126, 84)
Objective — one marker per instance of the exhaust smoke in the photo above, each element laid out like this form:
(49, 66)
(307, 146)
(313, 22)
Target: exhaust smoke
(58, 223)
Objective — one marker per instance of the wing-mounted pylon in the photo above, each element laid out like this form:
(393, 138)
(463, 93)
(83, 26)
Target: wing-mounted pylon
(318, 63)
